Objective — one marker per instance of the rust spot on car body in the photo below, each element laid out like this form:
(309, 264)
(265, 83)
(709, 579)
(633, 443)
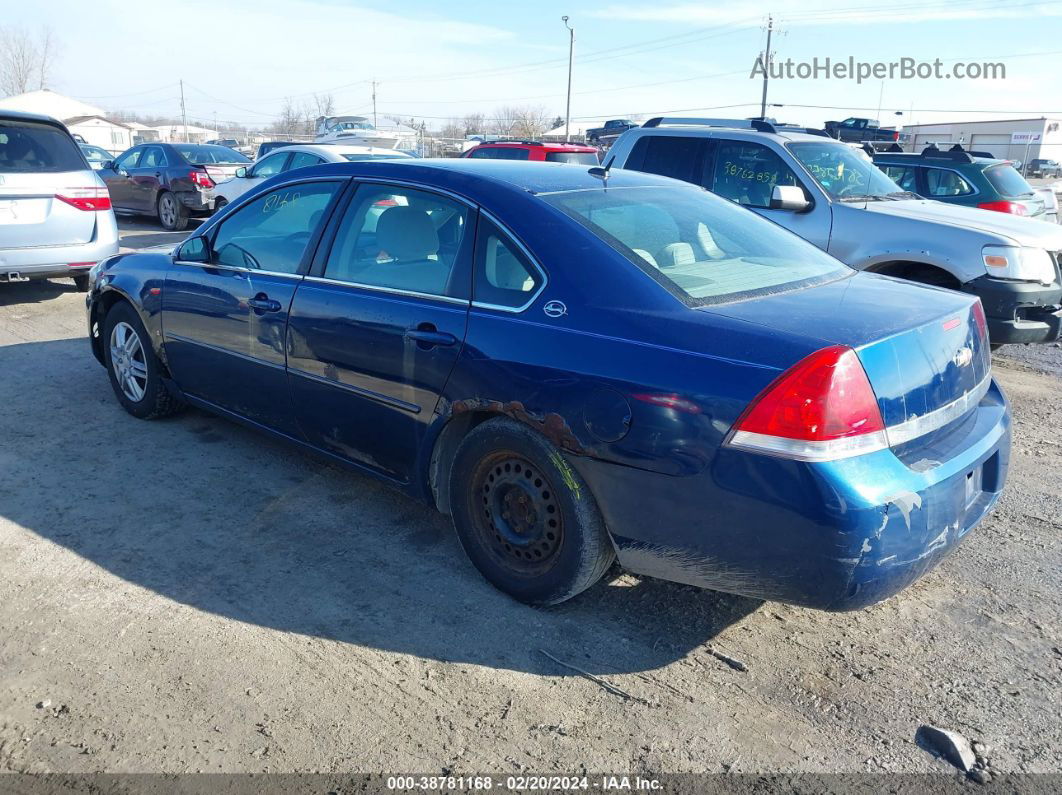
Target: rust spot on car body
(551, 425)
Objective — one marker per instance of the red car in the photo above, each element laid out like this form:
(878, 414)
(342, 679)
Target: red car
(535, 150)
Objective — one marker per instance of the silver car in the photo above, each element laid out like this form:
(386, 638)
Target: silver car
(55, 211)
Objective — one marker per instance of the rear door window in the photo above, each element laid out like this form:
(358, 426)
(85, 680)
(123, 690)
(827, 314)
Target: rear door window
(484, 153)
(402, 239)
(26, 147)
(669, 156)
(942, 182)
(511, 153)
(746, 173)
(904, 176)
(271, 233)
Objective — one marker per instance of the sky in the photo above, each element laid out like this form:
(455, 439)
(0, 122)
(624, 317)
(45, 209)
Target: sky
(240, 59)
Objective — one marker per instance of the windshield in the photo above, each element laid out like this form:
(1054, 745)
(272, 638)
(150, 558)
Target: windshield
(30, 147)
(703, 248)
(847, 174)
(1007, 181)
(580, 158)
(204, 154)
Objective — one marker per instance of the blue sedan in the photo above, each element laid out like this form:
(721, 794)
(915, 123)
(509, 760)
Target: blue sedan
(579, 366)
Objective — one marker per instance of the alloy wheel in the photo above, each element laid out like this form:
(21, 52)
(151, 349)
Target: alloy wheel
(128, 361)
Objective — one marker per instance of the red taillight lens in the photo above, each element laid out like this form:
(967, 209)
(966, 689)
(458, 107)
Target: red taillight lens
(87, 199)
(1004, 207)
(896, 136)
(980, 320)
(820, 409)
(201, 178)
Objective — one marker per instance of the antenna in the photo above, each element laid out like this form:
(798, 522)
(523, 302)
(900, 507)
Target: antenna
(601, 172)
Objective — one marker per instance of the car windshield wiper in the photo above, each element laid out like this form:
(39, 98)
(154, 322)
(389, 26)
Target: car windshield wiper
(862, 198)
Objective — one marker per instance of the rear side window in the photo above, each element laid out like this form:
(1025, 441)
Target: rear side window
(580, 158)
(1008, 181)
(747, 173)
(944, 183)
(272, 232)
(510, 153)
(201, 154)
(503, 275)
(668, 155)
(27, 147)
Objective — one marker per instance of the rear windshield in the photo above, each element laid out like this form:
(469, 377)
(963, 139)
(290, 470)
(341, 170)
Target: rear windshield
(26, 147)
(204, 154)
(580, 158)
(701, 247)
(1007, 181)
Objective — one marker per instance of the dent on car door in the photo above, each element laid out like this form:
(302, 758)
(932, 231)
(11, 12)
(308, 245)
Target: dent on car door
(377, 327)
(224, 319)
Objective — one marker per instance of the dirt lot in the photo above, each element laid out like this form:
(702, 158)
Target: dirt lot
(186, 595)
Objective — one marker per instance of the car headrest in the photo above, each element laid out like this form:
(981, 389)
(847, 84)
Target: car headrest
(407, 234)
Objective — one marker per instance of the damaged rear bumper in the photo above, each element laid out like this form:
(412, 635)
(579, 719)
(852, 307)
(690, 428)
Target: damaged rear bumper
(834, 536)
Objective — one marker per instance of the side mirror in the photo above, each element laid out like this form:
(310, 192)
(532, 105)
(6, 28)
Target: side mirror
(107, 164)
(241, 171)
(789, 197)
(194, 249)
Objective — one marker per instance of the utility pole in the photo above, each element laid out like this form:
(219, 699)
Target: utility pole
(216, 134)
(568, 107)
(373, 103)
(766, 67)
(184, 115)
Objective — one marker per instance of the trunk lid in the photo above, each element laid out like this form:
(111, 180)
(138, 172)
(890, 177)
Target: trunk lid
(922, 347)
(32, 216)
(222, 172)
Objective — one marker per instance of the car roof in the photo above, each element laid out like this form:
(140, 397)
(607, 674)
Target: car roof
(562, 147)
(743, 133)
(468, 176)
(942, 162)
(18, 115)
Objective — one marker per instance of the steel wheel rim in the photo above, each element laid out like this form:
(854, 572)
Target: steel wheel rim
(167, 210)
(515, 514)
(128, 362)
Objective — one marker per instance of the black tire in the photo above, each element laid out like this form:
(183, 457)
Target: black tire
(525, 518)
(156, 401)
(81, 282)
(219, 205)
(173, 216)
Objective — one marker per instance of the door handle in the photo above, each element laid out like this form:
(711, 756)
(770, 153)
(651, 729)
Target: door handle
(427, 336)
(263, 303)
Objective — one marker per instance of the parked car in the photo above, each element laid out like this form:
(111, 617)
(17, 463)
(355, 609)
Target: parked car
(266, 147)
(55, 213)
(956, 176)
(1041, 167)
(715, 401)
(859, 130)
(611, 128)
(95, 155)
(292, 157)
(535, 150)
(173, 182)
(831, 194)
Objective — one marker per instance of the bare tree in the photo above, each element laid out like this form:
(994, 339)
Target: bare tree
(504, 120)
(474, 123)
(452, 129)
(531, 121)
(46, 56)
(325, 104)
(19, 60)
(290, 120)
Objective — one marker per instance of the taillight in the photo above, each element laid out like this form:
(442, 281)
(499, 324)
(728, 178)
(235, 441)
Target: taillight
(88, 199)
(896, 135)
(980, 320)
(820, 409)
(201, 178)
(1004, 207)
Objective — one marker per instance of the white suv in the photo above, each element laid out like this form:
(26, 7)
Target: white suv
(55, 211)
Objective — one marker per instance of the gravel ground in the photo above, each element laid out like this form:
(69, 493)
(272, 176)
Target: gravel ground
(186, 595)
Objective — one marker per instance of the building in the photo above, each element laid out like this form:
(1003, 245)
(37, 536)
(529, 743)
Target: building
(114, 136)
(88, 121)
(142, 133)
(183, 133)
(1007, 139)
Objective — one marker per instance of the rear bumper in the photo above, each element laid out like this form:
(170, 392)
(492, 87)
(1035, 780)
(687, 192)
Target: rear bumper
(1019, 311)
(197, 201)
(42, 262)
(833, 536)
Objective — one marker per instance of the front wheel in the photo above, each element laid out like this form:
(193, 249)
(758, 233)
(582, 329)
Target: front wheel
(134, 370)
(172, 214)
(525, 518)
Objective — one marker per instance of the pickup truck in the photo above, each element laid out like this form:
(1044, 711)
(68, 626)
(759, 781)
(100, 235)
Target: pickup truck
(612, 127)
(856, 130)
